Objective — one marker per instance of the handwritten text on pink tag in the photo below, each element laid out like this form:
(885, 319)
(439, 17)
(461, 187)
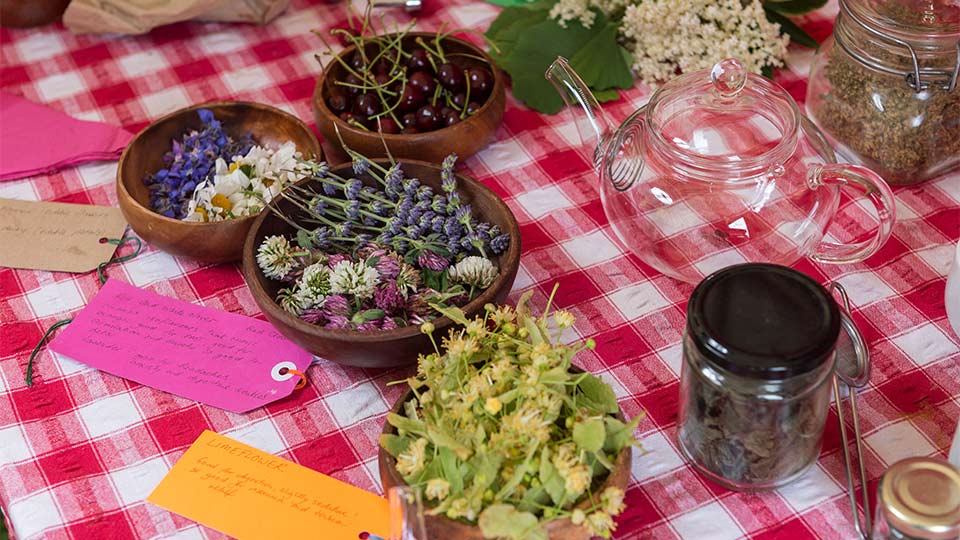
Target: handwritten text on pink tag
(221, 359)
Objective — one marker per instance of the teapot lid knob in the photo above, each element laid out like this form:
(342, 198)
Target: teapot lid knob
(728, 77)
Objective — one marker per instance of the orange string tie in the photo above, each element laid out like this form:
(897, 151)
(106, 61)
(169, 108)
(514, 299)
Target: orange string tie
(298, 373)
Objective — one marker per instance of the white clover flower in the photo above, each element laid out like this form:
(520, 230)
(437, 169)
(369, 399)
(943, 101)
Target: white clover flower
(357, 279)
(314, 285)
(474, 271)
(275, 257)
(290, 301)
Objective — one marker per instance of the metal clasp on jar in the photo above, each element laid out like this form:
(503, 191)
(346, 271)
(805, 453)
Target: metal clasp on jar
(919, 78)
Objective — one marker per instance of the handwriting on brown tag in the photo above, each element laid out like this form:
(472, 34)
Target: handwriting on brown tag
(57, 236)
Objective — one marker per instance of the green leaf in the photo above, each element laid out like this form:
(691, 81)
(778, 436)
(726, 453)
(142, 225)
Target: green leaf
(604, 96)
(589, 434)
(793, 7)
(600, 63)
(767, 71)
(393, 444)
(797, 35)
(619, 434)
(407, 425)
(550, 479)
(537, 46)
(304, 240)
(361, 317)
(455, 314)
(557, 375)
(505, 521)
(597, 395)
(507, 27)
(442, 439)
(451, 470)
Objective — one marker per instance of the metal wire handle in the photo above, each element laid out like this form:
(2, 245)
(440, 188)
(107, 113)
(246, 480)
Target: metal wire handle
(913, 77)
(852, 381)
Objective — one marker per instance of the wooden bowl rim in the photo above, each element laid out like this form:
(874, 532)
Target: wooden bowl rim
(511, 257)
(201, 225)
(622, 460)
(321, 104)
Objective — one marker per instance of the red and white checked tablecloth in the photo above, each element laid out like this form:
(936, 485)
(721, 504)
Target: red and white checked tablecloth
(80, 450)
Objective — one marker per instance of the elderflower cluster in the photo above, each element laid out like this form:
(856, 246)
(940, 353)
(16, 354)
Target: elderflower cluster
(687, 35)
(667, 36)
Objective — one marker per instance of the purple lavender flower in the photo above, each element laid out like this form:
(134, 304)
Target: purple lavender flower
(321, 237)
(433, 261)
(425, 193)
(453, 228)
(448, 180)
(453, 202)
(329, 189)
(337, 258)
(338, 322)
(352, 209)
(436, 224)
(354, 187)
(318, 205)
(313, 316)
(360, 165)
(389, 298)
(462, 214)
(394, 180)
(336, 306)
(410, 186)
(439, 204)
(500, 243)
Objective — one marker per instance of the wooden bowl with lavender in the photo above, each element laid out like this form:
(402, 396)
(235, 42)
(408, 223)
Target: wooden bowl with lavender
(347, 263)
(439, 95)
(175, 141)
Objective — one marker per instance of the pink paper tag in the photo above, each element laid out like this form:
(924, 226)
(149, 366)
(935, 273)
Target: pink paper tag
(221, 359)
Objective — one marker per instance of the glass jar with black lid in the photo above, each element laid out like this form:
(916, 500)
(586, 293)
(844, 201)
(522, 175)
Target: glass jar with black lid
(884, 87)
(758, 360)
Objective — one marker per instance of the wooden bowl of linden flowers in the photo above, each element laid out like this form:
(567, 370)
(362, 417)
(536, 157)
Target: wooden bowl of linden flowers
(350, 260)
(505, 438)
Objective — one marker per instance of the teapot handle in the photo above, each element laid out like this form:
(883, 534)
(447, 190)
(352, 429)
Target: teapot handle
(869, 184)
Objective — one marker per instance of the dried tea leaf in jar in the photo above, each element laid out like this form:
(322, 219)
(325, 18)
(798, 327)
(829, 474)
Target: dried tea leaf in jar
(759, 353)
(880, 108)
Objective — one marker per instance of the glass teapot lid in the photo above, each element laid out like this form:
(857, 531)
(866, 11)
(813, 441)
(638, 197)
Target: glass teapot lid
(724, 119)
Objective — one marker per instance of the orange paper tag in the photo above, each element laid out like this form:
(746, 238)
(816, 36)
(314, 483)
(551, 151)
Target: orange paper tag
(252, 495)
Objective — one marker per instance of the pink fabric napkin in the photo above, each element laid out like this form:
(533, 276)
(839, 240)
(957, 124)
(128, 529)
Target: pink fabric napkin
(35, 139)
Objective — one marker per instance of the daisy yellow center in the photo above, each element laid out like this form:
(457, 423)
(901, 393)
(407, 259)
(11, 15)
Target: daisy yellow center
(234, 166)
(222, 201)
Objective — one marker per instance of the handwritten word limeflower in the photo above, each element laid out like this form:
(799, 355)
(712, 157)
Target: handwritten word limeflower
(276, 257)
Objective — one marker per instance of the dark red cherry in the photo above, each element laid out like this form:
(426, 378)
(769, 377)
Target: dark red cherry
(450, 117)
(420, 61)
(459, 100)
(382, 79)
(473, 107)
(346, 116)
(338, 102)
(444, 110)
(424, 82)
(411, 99)
(451, 77)
(354, 83)
(357, 63)
(480, 81)
(389, 125)
(366, 105)
(427, 118)
(409, 120)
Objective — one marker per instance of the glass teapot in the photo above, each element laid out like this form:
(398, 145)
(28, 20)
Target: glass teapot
(719, 168)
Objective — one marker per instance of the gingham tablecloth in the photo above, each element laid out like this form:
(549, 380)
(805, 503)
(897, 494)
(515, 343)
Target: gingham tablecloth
(81, 449)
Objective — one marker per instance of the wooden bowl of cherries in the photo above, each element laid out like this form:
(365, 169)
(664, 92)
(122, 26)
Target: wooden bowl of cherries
(422, 95)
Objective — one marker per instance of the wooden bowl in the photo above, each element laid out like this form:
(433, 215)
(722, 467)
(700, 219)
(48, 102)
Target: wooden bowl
(444, 527)
(213, 242)
(384, 348)
(465, 138)
(27, 13)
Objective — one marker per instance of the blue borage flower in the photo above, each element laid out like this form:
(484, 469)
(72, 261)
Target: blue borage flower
(190, 161)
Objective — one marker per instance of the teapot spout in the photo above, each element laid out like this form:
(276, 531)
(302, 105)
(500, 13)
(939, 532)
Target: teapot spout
(592, 123)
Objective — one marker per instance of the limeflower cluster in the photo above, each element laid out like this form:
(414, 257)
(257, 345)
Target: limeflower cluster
(503, 432)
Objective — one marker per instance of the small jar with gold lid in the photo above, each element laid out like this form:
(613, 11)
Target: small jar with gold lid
(918, 499)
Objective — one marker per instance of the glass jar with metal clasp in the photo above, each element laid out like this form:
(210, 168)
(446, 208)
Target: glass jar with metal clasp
(884, 87)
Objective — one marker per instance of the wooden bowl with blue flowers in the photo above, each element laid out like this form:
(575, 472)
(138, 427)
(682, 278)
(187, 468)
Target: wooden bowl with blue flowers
(215, 241)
